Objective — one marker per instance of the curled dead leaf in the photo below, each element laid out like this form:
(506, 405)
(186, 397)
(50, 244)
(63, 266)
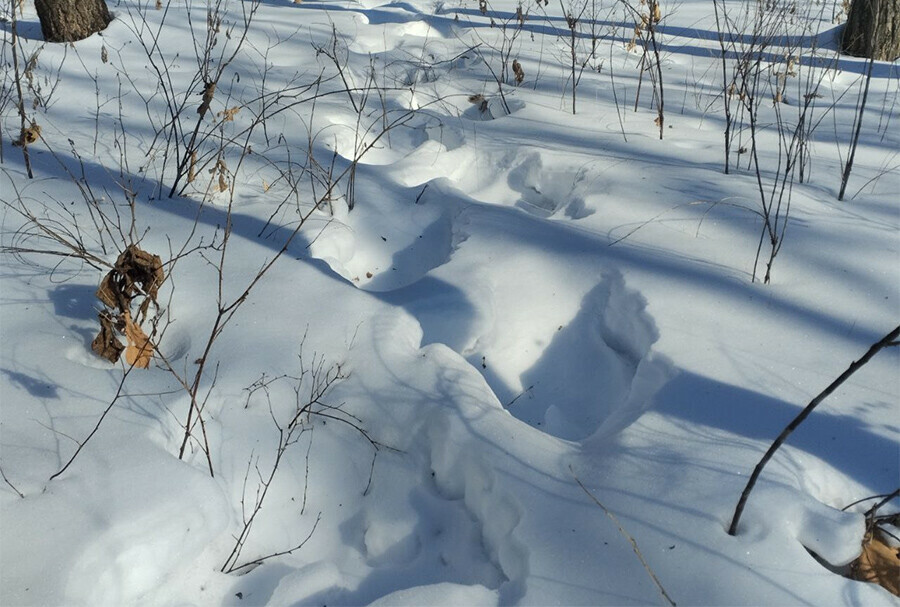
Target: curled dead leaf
(209, 90)
(192, 168)
(135, 274)
(518, 71)
(228, 115)
(106, 344)
(879, 563)
(139, 350)
(28, 135)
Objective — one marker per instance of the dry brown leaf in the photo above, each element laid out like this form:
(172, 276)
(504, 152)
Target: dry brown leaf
(139, 350)
(192, 169)
(878, 563)
(28, 135)
(106, 344)
(139, 271)
(222, 169)
(209, 90)
(136, 273)
(518, 71)
(229, 114)
(108, 291)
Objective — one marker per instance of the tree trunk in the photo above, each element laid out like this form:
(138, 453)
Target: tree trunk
(71, 20)
(873, 30)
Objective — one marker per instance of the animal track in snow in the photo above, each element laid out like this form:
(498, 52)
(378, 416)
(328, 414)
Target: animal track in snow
(374, 251)
(463, 474)
(545, 191)
(597, 371)
(561, 341)
(443, 504)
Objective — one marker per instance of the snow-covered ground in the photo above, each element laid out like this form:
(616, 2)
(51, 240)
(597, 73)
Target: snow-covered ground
(526, 312)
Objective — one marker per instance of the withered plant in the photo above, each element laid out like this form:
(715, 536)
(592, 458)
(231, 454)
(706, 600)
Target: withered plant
(127, 291)
(29, 130)
(580, 41)
(293, 417)
(210, 155)
(647, 17)
(186, 133)
(497, 48)
(759, 59)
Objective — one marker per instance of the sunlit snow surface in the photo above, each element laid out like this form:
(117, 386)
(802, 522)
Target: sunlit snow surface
(520, 299)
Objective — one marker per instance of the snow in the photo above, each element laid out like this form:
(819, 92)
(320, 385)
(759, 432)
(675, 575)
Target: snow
(521, 300)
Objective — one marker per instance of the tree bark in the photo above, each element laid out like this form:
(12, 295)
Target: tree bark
(71, 20)
(873, 30)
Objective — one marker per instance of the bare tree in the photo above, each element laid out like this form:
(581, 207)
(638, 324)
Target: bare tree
(71, 20)
(873, 30)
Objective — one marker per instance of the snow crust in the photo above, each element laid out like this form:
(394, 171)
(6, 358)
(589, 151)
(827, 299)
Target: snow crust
(520, 300)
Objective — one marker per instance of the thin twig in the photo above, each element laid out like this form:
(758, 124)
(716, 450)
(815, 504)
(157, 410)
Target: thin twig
(109, 407)
(634, 545)
(260, 560)
(21, 104)
(864, 499)
(11, 486)
(871, 511)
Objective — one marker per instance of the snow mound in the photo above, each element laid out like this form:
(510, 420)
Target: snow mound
(145, 521)
(833, 535)
(441, 595)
